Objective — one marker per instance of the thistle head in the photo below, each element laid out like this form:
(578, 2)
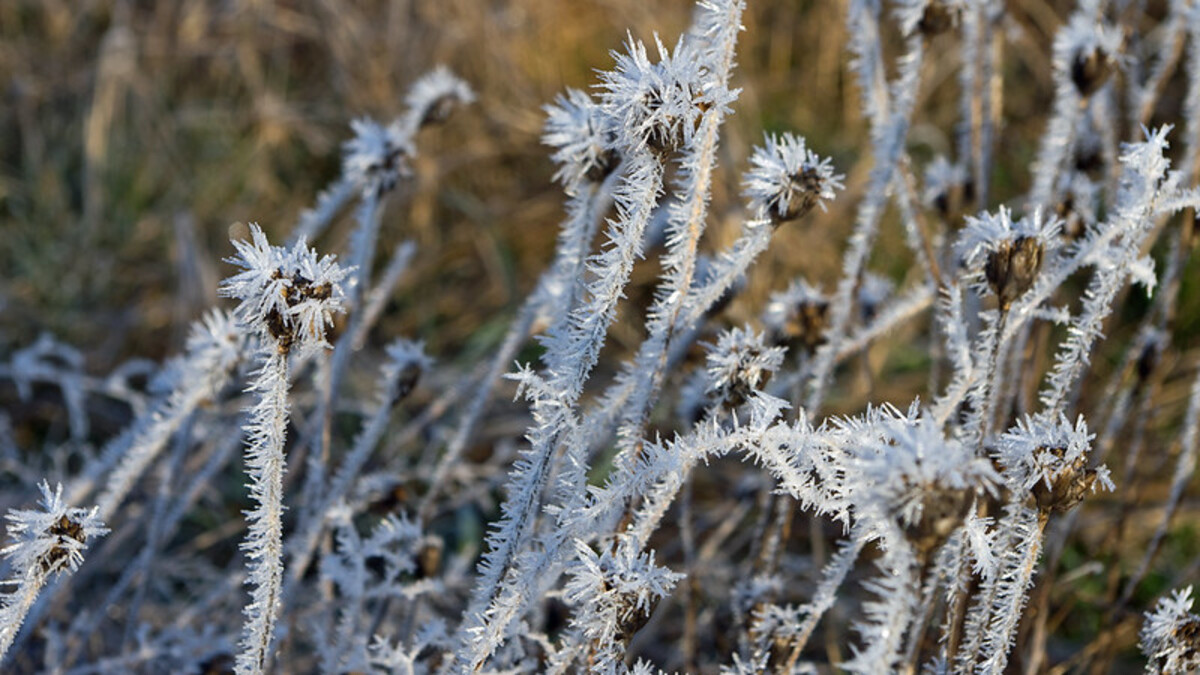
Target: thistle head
(377, 157)
(655, 106)
(1007, 254)
(1047, 458)
(787, 179)
(53, 538)
(740, 363)
(1087, 50)
(434, 96)
(914, 473)
(288, 297)
(1170, 638)
(797, 317)
(583, 145)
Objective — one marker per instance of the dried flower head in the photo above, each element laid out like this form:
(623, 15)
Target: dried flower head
(1170, 638)
(377, 157)
(930, 17)
(914, 473)
(787, 179)
(948, 189)
(1008, 253)
(582, 142)
(52, 539)
(796, 317)
(873, 292)
(1088, 50)
(740, 363)
(434, 96)
(652, 105)
(287, 296)
(406, 361)
(1048, 459)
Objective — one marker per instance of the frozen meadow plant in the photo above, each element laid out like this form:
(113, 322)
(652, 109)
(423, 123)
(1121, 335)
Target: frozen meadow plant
(47, 542)
(1170, 637)
(787, 180)
(287, 298)
(895, 464)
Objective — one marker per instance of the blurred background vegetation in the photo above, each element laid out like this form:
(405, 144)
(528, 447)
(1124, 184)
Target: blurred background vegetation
(134, 134)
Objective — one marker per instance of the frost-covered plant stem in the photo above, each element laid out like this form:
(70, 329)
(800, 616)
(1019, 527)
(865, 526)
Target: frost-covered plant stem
(554, 296)
(264, 543)
(572, 350)
(47, 542)
(719, 25)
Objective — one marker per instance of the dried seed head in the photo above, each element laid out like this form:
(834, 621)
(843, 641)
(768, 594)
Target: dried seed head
(787, 180)
(50, 539)
(433, 97)
(939, 16)
(653, 106)
(1012, 266)
(739, 364)
(1046, 458)
(378, 156)
(1072, 482)
(584, 146)
(1005, 256)
(1091, 69)
(797, 317)
(1086, 50)
(287, 295)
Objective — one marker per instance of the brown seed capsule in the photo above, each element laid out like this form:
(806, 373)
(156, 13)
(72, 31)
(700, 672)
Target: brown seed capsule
(1012, 268)
(1073, 227)
(1068, 488)
(65, 527)
(942, 511)
(802, 198)
(803, 327)
(939, 17)
(1090, 70)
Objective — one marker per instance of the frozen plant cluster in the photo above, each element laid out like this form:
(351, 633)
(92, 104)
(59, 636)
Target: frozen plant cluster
(711, 494)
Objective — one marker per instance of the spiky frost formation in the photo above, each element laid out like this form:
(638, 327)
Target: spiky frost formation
(787, 180)
(1003, 254)
(796, 316)
(740, 363)
(288, 296)
(652, 105)
(912, 472)
(1047, 458)
(1087, 49)
(434, 96)
(47, 541)
(1170, 638)
(378, 155)
(613, 593)
(577, 130)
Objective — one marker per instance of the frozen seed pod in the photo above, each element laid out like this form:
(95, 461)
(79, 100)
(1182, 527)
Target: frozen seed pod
(787, 180)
